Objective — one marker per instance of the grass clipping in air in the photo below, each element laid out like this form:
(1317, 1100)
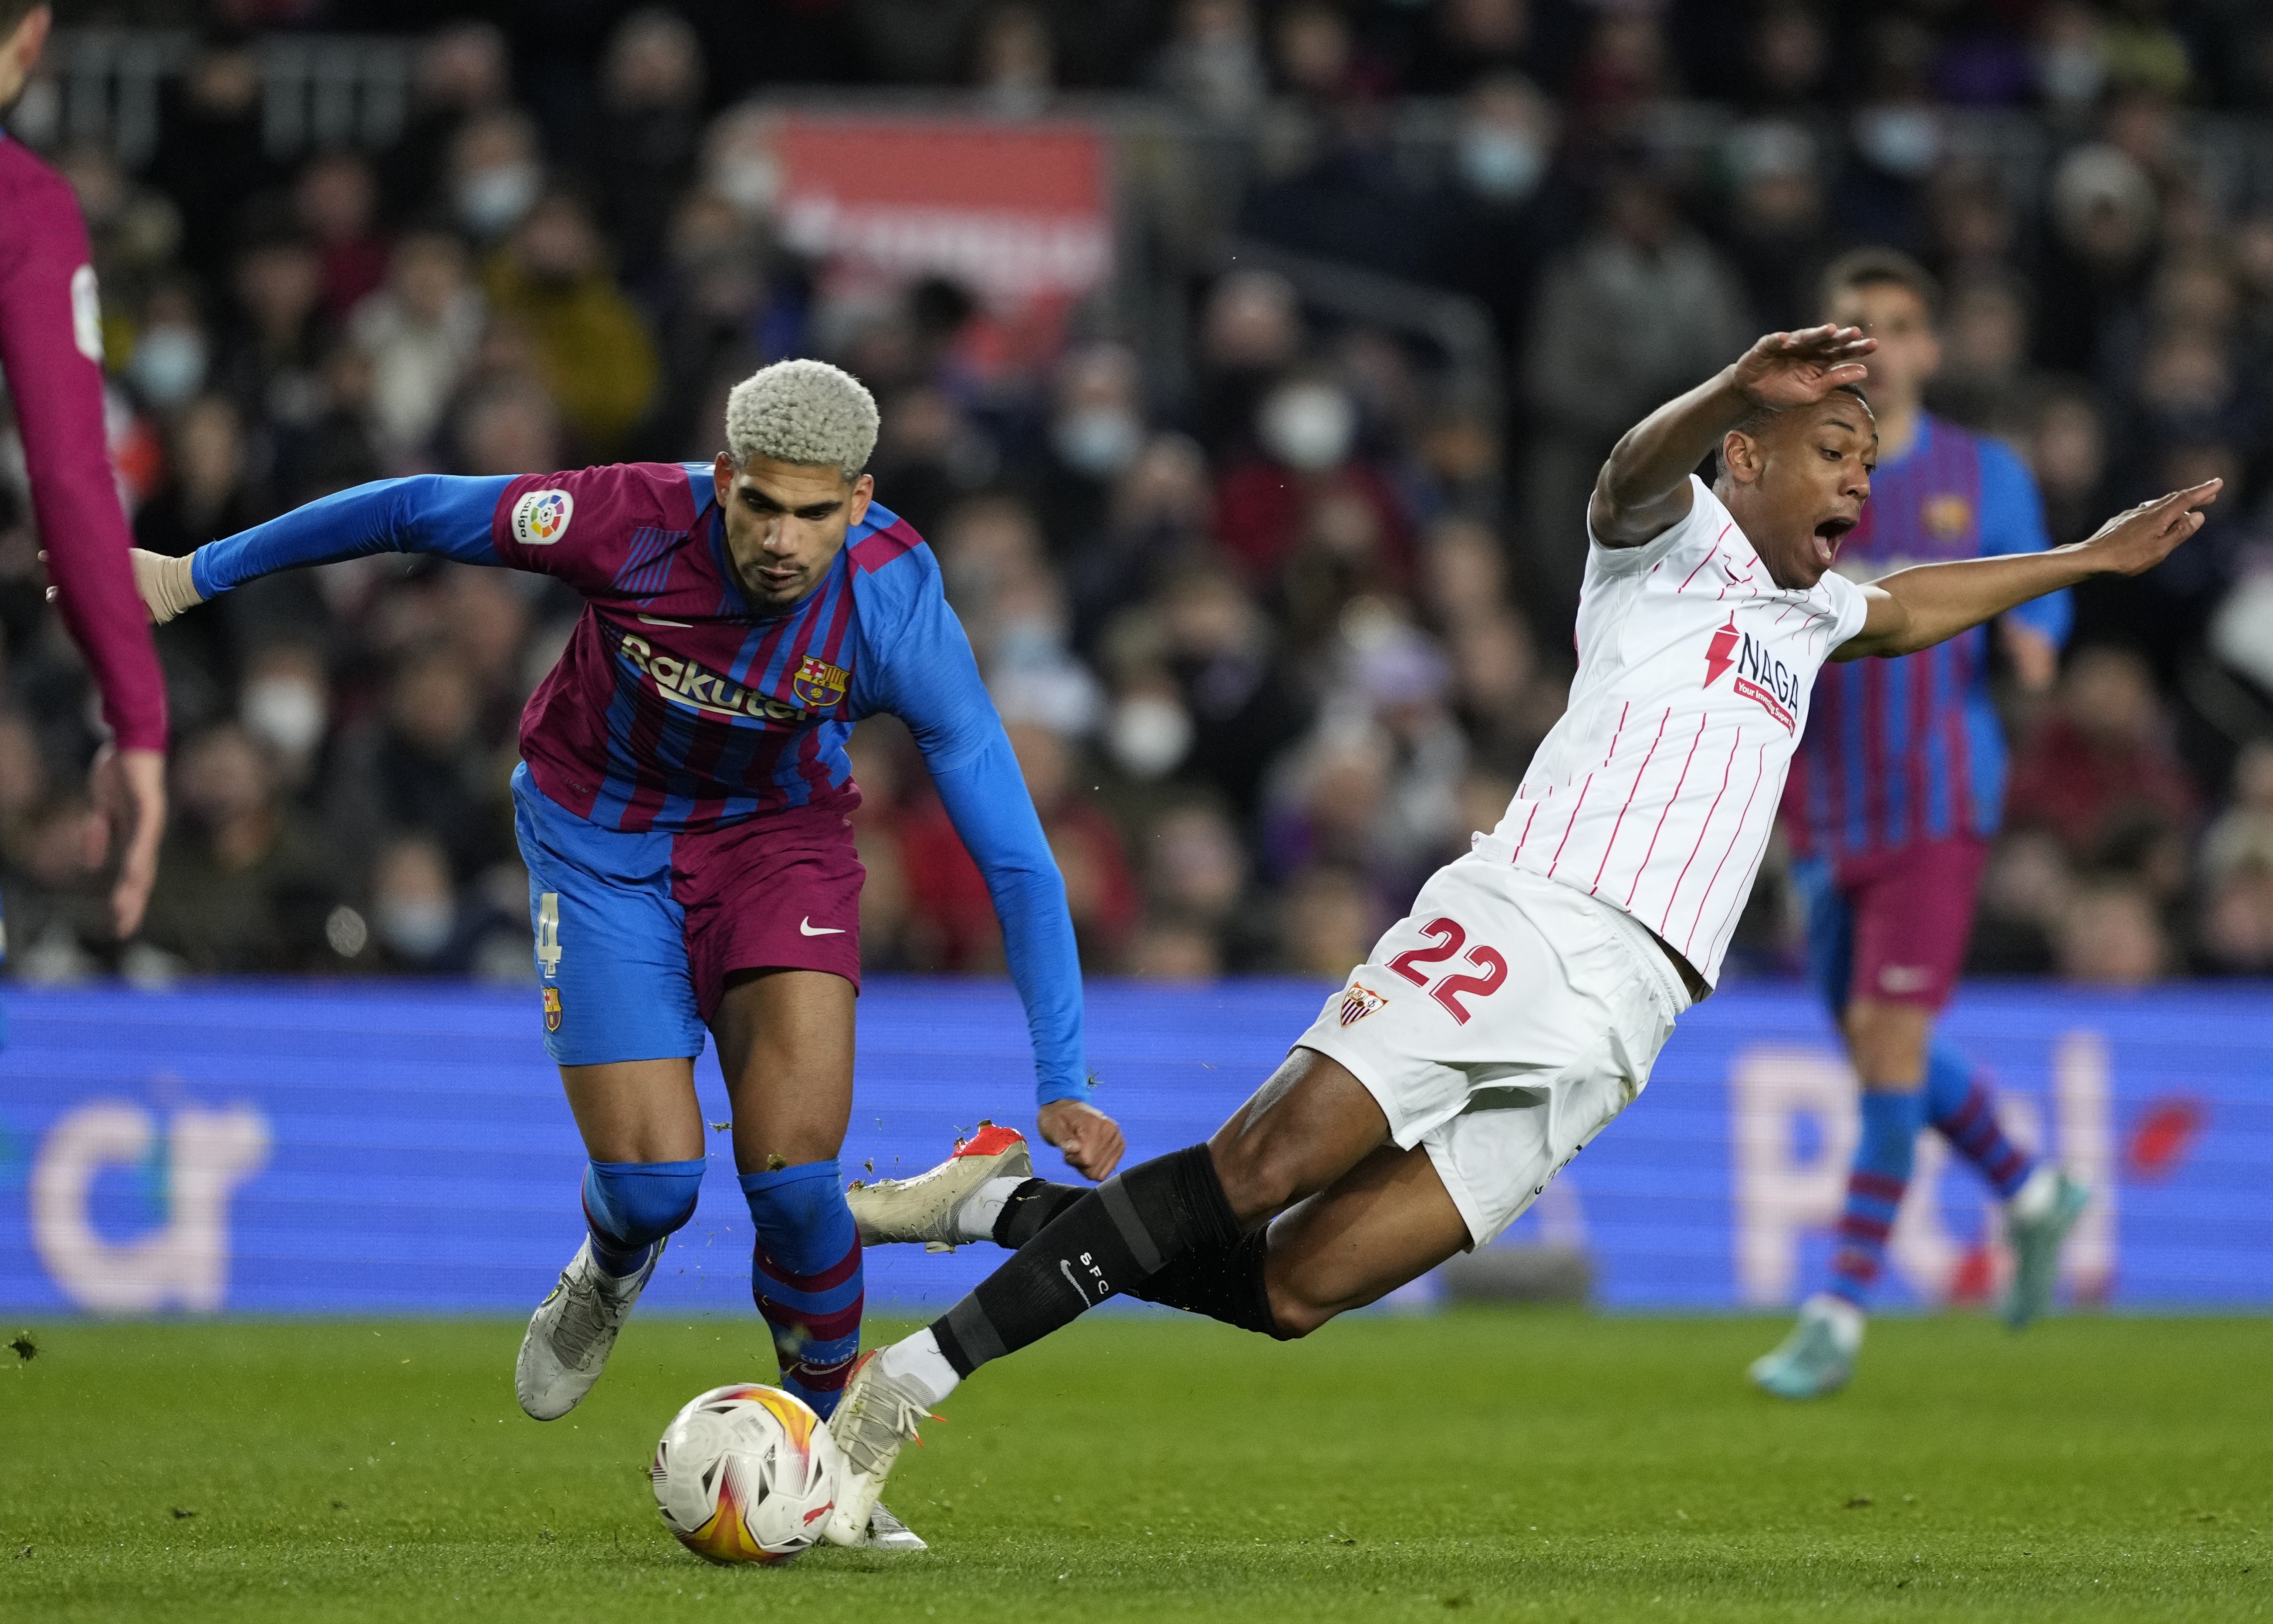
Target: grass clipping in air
(1495, 1465)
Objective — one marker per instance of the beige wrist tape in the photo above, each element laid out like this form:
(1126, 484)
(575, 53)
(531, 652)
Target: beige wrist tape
(165, 586)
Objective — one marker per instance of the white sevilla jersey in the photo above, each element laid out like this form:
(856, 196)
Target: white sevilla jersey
(1657, 791)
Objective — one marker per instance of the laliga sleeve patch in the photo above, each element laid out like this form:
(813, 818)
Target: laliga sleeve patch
(541, 517)
(86, 314)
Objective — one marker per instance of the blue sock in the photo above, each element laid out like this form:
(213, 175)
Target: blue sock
(1880, 1174)
(630, 1206)
(806, 1274)
(1962, 1110)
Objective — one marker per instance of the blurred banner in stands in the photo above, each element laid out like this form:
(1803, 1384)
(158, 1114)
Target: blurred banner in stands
(405, 1149)
(1019, 215)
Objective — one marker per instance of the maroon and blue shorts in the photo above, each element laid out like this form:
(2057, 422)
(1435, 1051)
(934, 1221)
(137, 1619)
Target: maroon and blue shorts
(1891, 927)
(638, 931)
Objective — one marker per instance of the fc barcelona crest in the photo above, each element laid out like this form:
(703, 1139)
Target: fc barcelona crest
(552, 1009)
(819, 685)
(1947, 515)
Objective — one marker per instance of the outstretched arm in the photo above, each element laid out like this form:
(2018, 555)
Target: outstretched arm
(1643, 490)
(427, 513)
(1916, 608)
(930, 682)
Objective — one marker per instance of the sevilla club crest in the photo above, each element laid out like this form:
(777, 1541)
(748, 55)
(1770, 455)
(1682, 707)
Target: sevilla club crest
(1360, 1002)
(819, 685)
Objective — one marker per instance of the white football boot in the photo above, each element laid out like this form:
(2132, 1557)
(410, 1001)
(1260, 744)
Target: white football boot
(572, 1333)
(873, 1420)
(933, 1207)
(886, 1532)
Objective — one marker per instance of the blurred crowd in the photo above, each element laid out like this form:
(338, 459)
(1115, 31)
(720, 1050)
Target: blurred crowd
(1275, 622)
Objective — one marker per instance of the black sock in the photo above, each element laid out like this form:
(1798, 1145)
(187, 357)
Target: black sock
(1030, 1209)
(1223, 1283)
(1108, 1239)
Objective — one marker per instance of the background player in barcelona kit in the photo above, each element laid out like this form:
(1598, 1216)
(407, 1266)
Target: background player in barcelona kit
(51, 352)
(1519, 1007)
(682, 804)
(1889, 808)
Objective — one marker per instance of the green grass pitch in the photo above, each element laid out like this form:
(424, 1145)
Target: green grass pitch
(1478, 1465)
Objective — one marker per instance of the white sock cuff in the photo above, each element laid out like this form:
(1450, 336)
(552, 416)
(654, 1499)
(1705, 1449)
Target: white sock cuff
(2033, 1199)
(916, 1362)
(975, 1222)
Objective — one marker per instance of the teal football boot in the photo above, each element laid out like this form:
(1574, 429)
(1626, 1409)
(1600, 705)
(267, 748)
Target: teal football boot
(2035, 1240)
(1818, 1357)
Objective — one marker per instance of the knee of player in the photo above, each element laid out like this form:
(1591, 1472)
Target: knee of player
(1294, 1314)
(641, 1201)
(799, 1213)
(1259, 1176)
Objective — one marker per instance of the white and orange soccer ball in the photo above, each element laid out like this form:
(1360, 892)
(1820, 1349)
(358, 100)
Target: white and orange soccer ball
(746, 1474)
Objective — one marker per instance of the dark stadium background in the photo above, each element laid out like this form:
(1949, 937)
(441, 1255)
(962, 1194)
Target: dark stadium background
(1246, 365)
(1255, 701)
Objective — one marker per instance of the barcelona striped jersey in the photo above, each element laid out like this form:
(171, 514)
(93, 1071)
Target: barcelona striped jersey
(677, 707)
(1910, 749)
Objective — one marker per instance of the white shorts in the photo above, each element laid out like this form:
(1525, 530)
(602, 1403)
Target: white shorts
(1501, 1025)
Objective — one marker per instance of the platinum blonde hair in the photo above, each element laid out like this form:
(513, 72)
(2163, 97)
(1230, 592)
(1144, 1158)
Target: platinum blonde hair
(802, 411)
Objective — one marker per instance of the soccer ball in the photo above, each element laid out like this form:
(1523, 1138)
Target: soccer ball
(746, 1474)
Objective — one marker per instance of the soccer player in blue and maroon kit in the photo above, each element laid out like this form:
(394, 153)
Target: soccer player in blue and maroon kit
(682, 806)
(1893, 795)
(51, 353)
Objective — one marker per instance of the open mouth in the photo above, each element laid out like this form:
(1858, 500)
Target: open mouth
(1827, 536)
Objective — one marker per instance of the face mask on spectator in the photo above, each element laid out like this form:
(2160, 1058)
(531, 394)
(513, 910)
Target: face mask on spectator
(1901, 140)
(1098, 440)
(492, 201)
(415, 926)
(284, 713)
(1309, 425)
(169, 364)
(1502, 165)
(750, 181)
(2070, 72)
(1149, 735)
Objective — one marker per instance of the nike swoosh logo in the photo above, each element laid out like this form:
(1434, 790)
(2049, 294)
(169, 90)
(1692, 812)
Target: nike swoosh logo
(805, 927)
(648, 620)
(1066, 1269)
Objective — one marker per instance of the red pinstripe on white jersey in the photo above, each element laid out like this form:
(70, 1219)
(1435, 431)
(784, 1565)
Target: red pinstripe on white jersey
(1658, 789)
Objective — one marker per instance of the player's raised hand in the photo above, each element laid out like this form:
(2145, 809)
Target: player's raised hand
(2143, 537)
(1090, 1140)
(1785, 370)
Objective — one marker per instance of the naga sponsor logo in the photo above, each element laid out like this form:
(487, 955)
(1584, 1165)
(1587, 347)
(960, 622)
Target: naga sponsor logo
(1719, 653)
(684, 682)
(541, 517)
(1760, 676)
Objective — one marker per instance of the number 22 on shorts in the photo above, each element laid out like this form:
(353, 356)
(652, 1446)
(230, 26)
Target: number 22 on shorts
(1448, 937)
(548, 933)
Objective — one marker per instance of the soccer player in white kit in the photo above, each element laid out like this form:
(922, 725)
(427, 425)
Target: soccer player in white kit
(1518, 1009)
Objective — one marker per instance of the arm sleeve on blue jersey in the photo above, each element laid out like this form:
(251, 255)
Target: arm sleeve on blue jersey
(930, 682)
(426, 513)
(2013, 521)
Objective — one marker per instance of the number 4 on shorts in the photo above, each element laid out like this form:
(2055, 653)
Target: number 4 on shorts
(548, 934)
(1448, 937)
